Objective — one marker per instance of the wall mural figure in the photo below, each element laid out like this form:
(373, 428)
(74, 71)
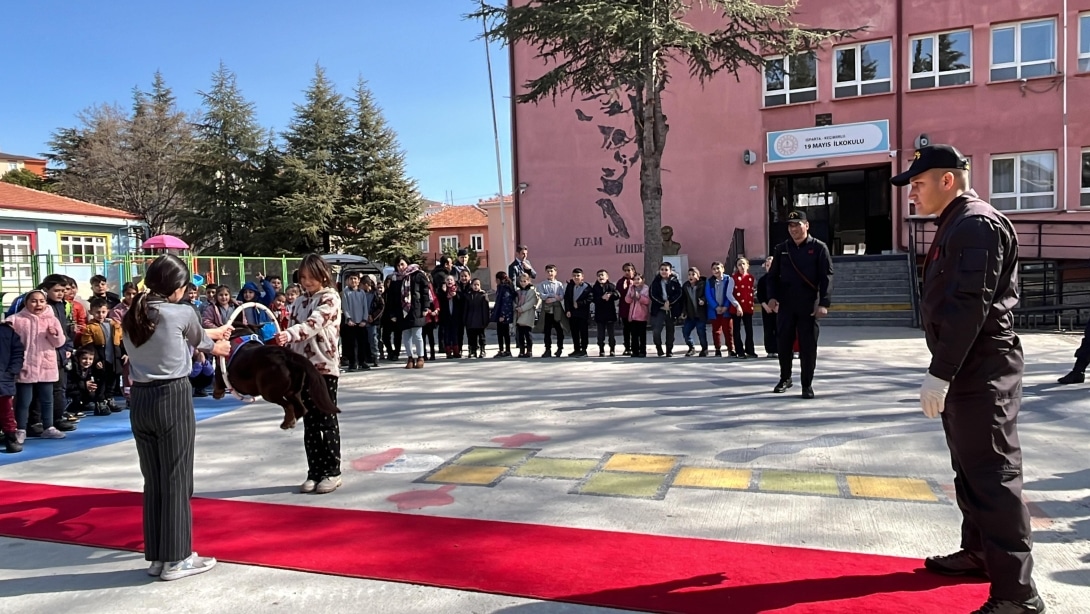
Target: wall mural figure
(626, 153)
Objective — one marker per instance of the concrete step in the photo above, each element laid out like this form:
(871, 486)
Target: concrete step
(871, 299)
(901, 322)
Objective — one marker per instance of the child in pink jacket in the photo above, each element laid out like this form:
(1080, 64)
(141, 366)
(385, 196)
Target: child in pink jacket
(638, 299)
(42, 335)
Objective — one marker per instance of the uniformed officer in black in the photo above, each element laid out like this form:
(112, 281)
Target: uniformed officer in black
(975, 377)
(798, 291)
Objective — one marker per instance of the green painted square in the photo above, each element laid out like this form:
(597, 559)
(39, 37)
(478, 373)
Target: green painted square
(560, 468)
(495, 457)
(643, 485)
(800, 482)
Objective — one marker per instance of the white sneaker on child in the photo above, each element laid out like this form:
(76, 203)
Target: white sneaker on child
(20, 436)
(155, 569)
(52, 433)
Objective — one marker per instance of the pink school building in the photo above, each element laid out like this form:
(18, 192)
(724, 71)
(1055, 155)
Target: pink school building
(824, 131)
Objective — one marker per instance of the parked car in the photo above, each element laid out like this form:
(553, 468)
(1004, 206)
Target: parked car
(343, 264)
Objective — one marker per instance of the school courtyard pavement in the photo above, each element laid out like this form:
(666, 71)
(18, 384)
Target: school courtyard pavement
(679, 447)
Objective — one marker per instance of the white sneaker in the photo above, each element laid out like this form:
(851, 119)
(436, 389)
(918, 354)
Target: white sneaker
(20, 436)
(155, 569)
(52, 433)
(188, 567)
(308, 486)
(328, 485)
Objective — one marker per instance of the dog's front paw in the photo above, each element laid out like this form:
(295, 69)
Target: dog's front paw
(218, 394)
(287, 424)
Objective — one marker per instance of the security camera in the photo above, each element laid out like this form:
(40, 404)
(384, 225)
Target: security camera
(893, 154)
(522, 187)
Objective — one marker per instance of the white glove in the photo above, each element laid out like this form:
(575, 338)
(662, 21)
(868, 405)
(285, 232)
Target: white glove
(933, 395)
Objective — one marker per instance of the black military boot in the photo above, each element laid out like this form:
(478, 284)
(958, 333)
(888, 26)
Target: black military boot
(960, 563)
(1078, 373)
(11, 443)
(783, 386)
(1033, 605)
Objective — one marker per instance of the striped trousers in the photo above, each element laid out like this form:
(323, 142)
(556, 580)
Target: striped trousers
(163, 424)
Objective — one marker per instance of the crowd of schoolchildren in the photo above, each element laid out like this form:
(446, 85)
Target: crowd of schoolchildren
(63, 356)
(457, 312)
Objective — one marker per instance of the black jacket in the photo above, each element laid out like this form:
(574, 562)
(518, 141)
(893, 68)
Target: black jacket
(111, 299)
(578, 308)
(605, 311)
(673, 294)
(76, 385)
(696, 308)
(11, 358)
(451, 308)
(476, 309)
(970, 286)
(419, 297)
(800, 274)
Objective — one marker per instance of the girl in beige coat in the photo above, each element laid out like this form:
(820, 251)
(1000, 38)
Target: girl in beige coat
(526, 314)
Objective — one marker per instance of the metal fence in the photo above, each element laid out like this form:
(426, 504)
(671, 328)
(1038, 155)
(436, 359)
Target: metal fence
(21, 273)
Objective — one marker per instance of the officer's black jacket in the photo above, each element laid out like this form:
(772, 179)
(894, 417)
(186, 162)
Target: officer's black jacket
(970, 287)
(786, 286)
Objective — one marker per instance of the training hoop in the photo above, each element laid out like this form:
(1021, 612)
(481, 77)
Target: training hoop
(223, 359)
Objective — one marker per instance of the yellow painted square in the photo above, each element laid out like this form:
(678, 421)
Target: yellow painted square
(623, 484)
(723, 479)
(463, 474)
(908, 489)
(641, 463)
(493, 457)
(561, 468)
(800, 482)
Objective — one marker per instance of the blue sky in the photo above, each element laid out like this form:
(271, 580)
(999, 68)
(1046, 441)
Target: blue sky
(420, 58)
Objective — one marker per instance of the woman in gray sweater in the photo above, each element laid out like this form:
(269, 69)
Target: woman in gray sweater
(159, 334)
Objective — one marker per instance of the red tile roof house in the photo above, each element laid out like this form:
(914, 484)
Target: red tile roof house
(13, 162)
(42, 233)
(456, 226)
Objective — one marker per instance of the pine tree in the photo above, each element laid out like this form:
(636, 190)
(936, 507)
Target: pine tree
(316, 146)
(223, 169)
(382, 212)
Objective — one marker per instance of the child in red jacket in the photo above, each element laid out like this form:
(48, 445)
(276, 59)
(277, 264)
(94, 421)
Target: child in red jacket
(743, 293)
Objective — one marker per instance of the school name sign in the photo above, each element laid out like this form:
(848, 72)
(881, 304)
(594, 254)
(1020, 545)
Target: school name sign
(829, 141)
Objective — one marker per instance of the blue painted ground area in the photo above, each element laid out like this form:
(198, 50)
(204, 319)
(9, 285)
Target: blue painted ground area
(95, 431)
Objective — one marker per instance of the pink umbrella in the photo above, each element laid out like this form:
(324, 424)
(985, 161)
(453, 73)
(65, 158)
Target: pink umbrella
(165, 242)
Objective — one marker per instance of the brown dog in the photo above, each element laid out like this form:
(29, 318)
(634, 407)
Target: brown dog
(276, 373)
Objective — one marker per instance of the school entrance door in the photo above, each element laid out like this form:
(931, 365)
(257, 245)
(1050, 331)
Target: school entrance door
(847, 209)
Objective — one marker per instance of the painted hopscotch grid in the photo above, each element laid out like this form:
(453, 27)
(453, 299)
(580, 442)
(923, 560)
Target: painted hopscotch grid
(630, 476)
(651, 476)
(479, 466)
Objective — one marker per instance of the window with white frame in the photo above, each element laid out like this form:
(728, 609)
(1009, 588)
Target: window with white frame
(83, 249)
(448, 243)
(1024, 50)
(940, 60)
(863, 69)
(424, 245)
(792, 79)
(476, 243)
(1024, 181)
(12, 166)
(15, 256)
(1084, 196)
(1084, 42)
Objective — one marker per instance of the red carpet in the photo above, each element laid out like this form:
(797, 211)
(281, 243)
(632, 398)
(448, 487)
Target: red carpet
(623, 570)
